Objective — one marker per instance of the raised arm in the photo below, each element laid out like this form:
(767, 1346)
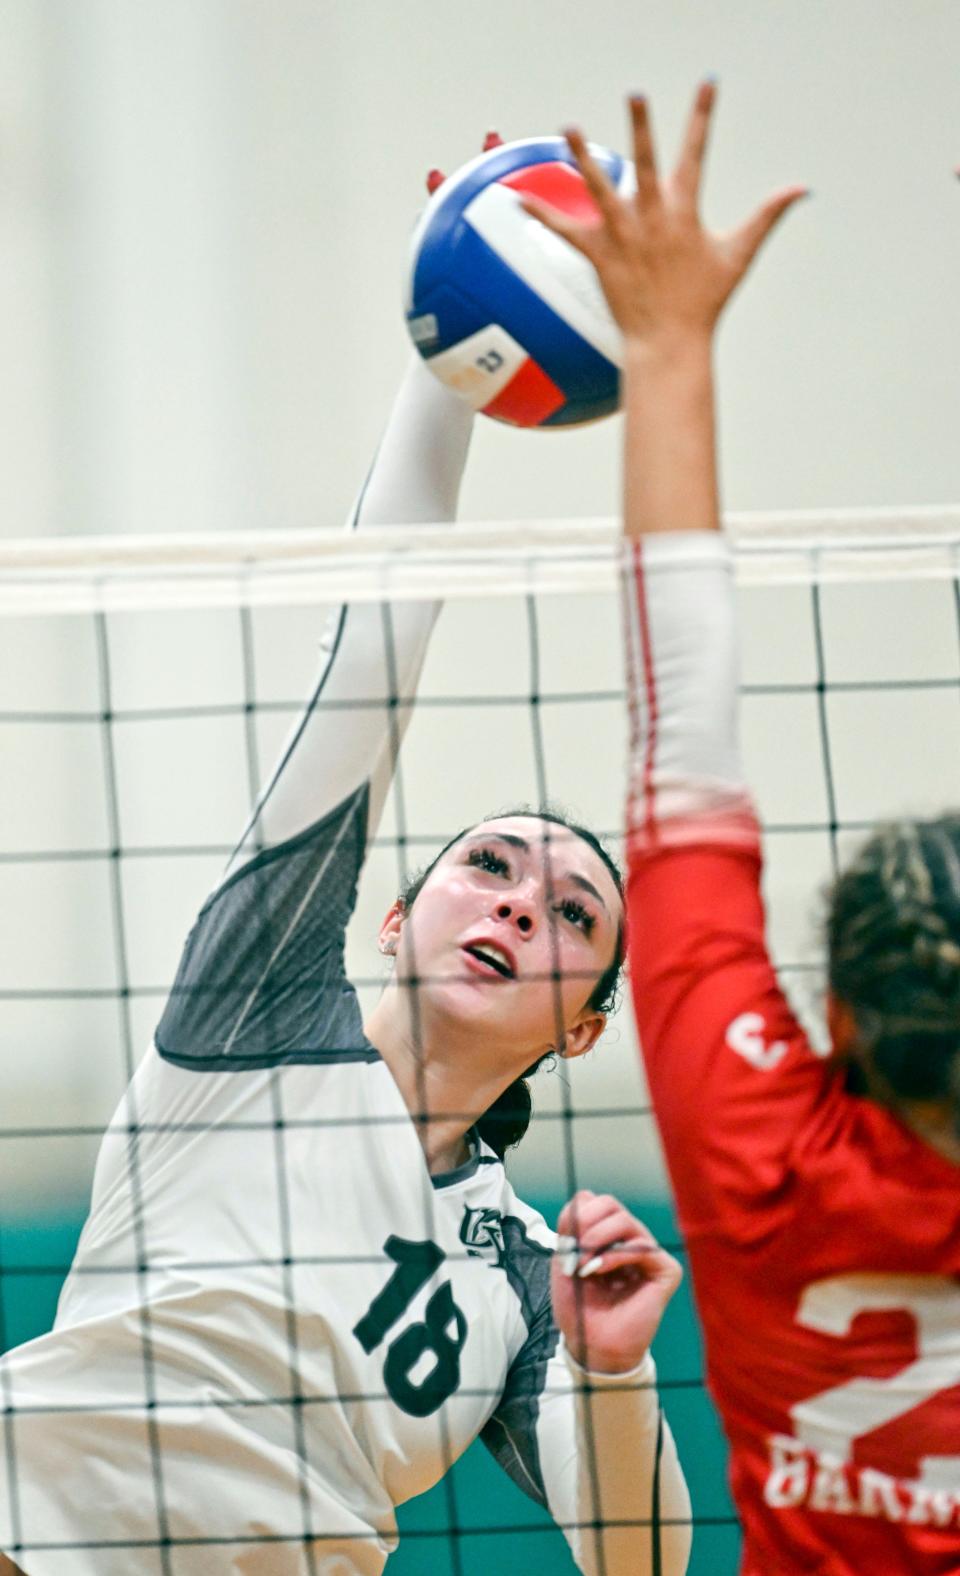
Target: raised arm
(719, 1040)
(667, 280)
(261, 979)
(371, 653)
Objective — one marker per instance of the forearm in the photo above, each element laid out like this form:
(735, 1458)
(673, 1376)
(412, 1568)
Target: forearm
(686, 779)
(670, 466)
(416, 473)
(371, 652)
(614, 1480)
(680, 621)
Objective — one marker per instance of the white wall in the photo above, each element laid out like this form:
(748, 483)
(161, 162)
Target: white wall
(203, 213)
(204, 206)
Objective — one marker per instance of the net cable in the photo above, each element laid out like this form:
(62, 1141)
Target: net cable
(98, 578)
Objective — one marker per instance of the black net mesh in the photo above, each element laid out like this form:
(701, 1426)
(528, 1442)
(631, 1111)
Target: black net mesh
(136, 740)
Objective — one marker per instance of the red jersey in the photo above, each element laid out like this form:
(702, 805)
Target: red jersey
(823, 1235)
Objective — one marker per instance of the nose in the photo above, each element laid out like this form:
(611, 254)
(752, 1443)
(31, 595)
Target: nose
(518, 911)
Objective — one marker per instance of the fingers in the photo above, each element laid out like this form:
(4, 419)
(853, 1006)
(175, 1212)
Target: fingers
(583, 1258)
(559, 223)
(571, 230)
(583, 1210)
(600, 1235)
(689, 170)
(611, 207)
(644, 156)
(616, 1255)
(596, 180)
(744, 244)
(653, 1264)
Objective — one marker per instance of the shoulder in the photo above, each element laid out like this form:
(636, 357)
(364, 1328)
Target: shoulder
(261, 981)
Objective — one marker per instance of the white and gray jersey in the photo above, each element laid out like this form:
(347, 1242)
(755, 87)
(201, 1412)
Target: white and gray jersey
(279, 1326)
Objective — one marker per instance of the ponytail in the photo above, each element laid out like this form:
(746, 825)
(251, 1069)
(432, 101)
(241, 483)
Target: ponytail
(503, 1126)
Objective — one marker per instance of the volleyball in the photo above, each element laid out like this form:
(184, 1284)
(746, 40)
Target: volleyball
(503, 311)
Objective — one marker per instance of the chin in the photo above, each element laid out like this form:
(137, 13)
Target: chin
(460, 1003)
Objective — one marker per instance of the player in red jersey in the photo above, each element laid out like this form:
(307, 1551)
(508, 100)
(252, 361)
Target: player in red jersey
(820, 1196)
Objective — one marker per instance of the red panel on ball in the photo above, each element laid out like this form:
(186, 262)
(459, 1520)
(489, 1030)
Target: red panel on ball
(556, 184)
(528, 399)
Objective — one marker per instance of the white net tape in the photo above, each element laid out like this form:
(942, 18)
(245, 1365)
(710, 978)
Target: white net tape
(260, 569)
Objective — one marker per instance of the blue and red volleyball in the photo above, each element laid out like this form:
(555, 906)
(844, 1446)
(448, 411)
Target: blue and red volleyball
(502, 310)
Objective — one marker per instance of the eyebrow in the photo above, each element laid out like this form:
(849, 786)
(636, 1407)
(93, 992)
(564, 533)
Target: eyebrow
(520, 842)
(587, 886)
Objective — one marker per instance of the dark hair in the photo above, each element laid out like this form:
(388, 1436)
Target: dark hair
(893, 936)
(505, 1123)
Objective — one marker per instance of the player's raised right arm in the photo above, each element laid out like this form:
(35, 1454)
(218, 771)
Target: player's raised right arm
(261, 977)
(371, 653)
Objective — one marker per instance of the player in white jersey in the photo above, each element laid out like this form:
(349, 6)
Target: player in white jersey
(306, 1284)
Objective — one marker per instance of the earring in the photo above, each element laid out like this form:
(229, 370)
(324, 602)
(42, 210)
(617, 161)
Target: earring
(389, 947)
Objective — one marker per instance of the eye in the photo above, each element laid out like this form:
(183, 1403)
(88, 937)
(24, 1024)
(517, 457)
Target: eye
(488, 859)
(575, 912)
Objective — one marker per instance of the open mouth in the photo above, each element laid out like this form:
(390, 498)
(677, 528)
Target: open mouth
(492, 957)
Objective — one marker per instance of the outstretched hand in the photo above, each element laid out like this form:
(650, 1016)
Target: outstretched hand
(610, 1283)
(660, 269)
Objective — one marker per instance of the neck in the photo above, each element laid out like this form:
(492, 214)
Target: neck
(934, 1126)
(932, 1121)
(443, 1089)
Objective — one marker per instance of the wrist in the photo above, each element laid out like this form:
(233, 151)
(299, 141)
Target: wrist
(608, 1367)
(668, 349)
(670, 472)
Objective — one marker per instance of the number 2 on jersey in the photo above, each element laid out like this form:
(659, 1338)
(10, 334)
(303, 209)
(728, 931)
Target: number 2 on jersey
(836, 1418)
(416, 1262)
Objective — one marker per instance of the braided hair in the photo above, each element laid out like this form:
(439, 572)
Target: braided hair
(505, 1123)
(893, 935)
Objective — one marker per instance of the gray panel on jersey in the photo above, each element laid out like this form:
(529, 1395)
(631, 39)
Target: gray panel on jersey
(511, 1433)
(261, 981)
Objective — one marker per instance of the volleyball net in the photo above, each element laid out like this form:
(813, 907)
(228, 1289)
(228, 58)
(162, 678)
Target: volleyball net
(146, 688)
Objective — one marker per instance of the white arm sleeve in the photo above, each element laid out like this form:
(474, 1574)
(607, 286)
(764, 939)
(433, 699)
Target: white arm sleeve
(595, 1449)
(611, 1473)
(371, 653)
(682, 667)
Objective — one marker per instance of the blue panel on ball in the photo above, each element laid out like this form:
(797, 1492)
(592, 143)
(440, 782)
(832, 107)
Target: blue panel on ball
(457, 317)
(503, 298)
